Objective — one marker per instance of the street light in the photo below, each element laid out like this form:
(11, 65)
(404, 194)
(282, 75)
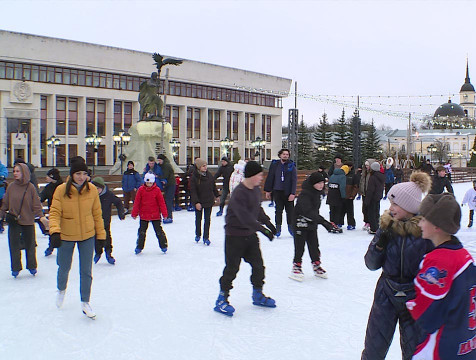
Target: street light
(258, 144)
(226, 145)
(53, 142)
(94, 140)
(121, 138)
(175, 146)
(431, 149)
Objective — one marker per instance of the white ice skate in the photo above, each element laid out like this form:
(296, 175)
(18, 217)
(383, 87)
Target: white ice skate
(87, 310)
(296, 273)
(318, 270)
(60, 298)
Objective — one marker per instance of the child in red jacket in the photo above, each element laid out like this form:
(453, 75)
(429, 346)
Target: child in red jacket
(150, 205)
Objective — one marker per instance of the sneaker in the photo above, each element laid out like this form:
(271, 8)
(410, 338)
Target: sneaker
(33, 271)
(350, 227)
(335, 229)
(278, 230)
(290, 230)
(220, 213)
(296, 273)
(138, 251)
(60, 298)
(168, 221)
(110, 259)
(206, 242)
(15, 273)
(48, 252)
(96, 258)
(260, 299)
(87, 310)
(197, 239)
(318, 270)
(164, 250)
(222, 305)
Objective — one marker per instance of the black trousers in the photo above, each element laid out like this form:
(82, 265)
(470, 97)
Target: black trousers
(159, 232)
(108, 246)
(337, 213)
(282, 203)
(22, 237)
(246, 248)
(309, 237)
(224, 194)
(349, 211)
(206, 224)
(388, 186)
(373, 213)
(365, 212)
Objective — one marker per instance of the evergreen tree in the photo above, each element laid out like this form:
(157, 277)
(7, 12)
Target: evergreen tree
(343, 138)
(323, 140)
(472, 162)
(371, 148)
(305, 148)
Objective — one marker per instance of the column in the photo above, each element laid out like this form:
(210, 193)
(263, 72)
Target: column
(204, 134)
(182, 135)
(241, 134)
(108, 141)
(82, 126)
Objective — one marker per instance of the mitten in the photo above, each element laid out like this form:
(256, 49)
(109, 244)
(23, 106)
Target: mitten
(101, 243)
(270, 226)
(384, 238)
(266, 232)
(55, 240)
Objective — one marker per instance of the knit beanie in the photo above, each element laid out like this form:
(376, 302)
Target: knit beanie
(54, 174)
(252, 168)
(408, 195)
(161, 157)
(224, 158)
(345, 168)
(149, 177)
(375, 166)
(316, 177)
(99, 182)
(442, 210)
(199, 163)
(77, 164)
(130, 162)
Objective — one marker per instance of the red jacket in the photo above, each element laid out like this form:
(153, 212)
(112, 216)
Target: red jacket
(149, 203)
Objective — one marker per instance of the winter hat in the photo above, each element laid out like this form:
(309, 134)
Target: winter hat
(375, 166)
(408, 195)
(316, 177)
(149, 177)
(241, 166)
(440, 168)
(345, 168)
(54, 174)
(130, 162)
(199, 163)
(99, 182)
(252, 168)
(161, 157)
(77, 164)
(442, 210)
(224, 158)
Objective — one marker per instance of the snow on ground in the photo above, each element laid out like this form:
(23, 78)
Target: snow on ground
(155, 306)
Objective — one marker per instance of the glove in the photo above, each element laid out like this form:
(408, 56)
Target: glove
(101, 243)
(266, 232)
(270, 226)
(384, 238)
(55, 240)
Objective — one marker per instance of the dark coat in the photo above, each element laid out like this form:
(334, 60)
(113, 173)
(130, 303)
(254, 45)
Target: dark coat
(203, 189)
(306, 211)
(389, 175)
(337, 184)
(48, 191)
(157, 170)
(225, 172)
(439, 184)
(168, 173)
(375, 188)
(398, 175)
(352, 185)
(290, 177)
(107, 198)
(131, 180)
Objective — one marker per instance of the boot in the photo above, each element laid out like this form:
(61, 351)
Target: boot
(278, 230)
(296, 273)
(222, 305)
(318, 270)
(96, 258)
(48, 252)
(110, 259)
(262, 300)
(60, 298)
(470, 223)
(87, 310)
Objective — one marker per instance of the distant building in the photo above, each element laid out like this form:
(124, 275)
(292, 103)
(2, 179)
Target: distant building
(71, 89)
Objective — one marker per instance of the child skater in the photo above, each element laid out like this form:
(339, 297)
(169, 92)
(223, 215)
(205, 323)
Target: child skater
(107, 198)
(470, 199)
(445, 303)
(397, 248)
(149, 205)
(243, 218)
(306, 220)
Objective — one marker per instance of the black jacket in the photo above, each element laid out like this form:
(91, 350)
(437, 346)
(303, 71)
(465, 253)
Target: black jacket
(107, 198)
(47, 193)
(203, 189)
(306, 211)
(375, 188)
(439, 184)
(226, 172)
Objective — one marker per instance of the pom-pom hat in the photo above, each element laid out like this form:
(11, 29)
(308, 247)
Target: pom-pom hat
(149, 177)
(408, 195)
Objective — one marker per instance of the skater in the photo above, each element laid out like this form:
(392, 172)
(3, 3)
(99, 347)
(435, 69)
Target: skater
(225, 171)
(53, 178)
(397, 248)
(154, 168)
(131, 181)
(440, 182)
(169, 185)
(364, 182)
(203, 194)
(178, 182)
(149, 206)
(470, 199)
(238, 175)
(373, 196)
(389, 177)
(337, 164)
(351, 189)
(243, 219)
(336, 195)
(282, 182)
(398, 174)
(186, 177)
(20, 205)
(448, 169)
(445, 301)
(76, 220)
(107, 198)
(306, 220)
(3, 188)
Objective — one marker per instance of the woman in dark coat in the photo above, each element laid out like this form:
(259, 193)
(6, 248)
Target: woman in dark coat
(373, 196)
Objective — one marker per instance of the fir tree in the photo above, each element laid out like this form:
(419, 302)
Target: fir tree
(305, 148)
(343, 138)
(323, 140)
(371, 148)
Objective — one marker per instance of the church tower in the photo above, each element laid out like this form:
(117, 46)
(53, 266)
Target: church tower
(468, 96)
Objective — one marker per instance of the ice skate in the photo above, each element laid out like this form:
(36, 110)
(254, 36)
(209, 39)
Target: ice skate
(318, 270)
(296, 272)
(260, 299)
(110, 259)
(60, 298)
(87, 310)
(470, 224)
(222, 305)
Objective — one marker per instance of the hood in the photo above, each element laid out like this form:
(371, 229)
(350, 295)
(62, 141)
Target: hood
(401, 228)
(25, 174)
(306, 185)
(338, 172)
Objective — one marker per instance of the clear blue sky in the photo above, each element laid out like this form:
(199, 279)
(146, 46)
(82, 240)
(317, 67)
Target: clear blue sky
(341, 48)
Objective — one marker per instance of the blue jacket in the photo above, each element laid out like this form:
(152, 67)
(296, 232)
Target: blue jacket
(290, 177)
(389, 176)
(131, 180)
(157, 170)
(3, 177)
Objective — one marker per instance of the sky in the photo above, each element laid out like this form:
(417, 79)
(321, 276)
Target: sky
(399, 57)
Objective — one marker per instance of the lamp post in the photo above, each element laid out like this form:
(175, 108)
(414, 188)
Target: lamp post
(94, 140)
(258, 144)
(121, 138)
(53, 142)
(322, 149)
(226, 144)
(431, 149)
(175, 146)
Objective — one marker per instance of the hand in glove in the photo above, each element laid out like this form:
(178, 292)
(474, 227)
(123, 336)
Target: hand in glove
(384, 238)
(266, 232)
(55, 240)
(270, 226)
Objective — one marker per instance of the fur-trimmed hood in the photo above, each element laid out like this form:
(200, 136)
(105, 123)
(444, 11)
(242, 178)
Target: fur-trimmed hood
(402, 228)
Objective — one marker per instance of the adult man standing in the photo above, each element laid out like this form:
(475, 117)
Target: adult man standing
(169, 187)
(337, 164)
(225, 171)
(282, 181)
(155, 169)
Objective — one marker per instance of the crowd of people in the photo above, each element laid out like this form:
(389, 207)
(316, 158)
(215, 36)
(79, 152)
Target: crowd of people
(428, 280)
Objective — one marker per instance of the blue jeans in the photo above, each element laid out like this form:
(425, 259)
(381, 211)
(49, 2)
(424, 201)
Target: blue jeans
(64, 259)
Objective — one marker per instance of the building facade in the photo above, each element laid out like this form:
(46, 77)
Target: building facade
(69, 89)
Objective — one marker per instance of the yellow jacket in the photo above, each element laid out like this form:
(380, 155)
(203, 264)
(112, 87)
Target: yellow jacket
(79, 217)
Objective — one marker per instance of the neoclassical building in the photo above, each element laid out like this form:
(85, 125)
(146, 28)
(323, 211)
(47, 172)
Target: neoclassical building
(72, 89)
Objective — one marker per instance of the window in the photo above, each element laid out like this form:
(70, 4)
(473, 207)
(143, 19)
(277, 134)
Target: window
(266, 127)
(60, 155)
(43, 127)
(175, 122)
(196, 123)
(235, 126)
(247, 126)
(210, 126)
(101, 117)
(101, 155)
(73, 116)
(228, 124)
(90, 116)
(189, 125)
(216, 119)
(127, 115)
(60, 116)
(117, 116)
(464, 147)
(72, 151)
(252, 126)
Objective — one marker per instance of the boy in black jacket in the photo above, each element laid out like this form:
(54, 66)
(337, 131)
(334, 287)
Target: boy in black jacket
(53, 178)
(107, 198)
(305, 226)
(243, 219)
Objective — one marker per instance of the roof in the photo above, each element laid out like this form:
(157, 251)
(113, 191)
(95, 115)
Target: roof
(449, 109)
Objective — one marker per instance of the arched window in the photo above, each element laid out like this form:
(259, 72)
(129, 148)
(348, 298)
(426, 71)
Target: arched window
(464, 147)
(403, 148)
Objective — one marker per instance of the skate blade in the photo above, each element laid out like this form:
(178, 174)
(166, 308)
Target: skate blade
(322, 276)
(93, 317)
(296, 278)
(229, 314)
(263, 305)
